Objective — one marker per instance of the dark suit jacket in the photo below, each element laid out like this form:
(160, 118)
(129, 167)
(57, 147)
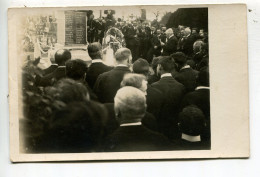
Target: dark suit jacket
(45, 72)
(50, 69)
(187, 46)
(187, 77)
(56, 75)
(154, 101)
(170, 46)
(136, 138)
(108, 83)
(94, 71)
(173, 92)
(156, 42)
(153, 78)
(112, 124)
(201, 99)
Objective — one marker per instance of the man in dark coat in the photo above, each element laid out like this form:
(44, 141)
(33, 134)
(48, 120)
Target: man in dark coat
(154, 97)
(130, 108)
(171, 45)
(156, 47)
(61, 56)
(100, 30)
(131, 40)
(187, 42)
(97, 67)
(163, 36)
(185, 75)
(91, 28)
(108, 83)
(200, 97)
(173, 92)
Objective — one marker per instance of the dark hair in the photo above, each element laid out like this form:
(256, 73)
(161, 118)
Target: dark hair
(155, 62)
(141, 66)
(179, 58)
(203, 77)
(61, 56)
(68, 90)
(167, 63)
(76, 69)
(192, 121)
(94, 50)
(76, 128)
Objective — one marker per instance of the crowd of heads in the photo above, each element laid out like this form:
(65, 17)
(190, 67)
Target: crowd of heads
(79, 121)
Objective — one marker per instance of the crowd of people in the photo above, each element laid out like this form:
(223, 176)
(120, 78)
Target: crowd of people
(156, 98)
(146, 40)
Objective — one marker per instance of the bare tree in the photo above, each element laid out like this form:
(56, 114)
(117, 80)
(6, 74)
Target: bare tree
(156, 15)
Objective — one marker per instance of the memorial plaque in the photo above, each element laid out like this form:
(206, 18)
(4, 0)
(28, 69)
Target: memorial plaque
(75, 27)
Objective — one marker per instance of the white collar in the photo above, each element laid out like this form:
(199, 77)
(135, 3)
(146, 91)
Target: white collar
(121, 65)
(166, 75)
(97, 61)
(185, 67)
(201, 87)
(130, 124)
(61, 66)
(190, 138)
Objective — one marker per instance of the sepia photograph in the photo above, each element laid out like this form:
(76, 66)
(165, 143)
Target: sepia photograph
(121, 79)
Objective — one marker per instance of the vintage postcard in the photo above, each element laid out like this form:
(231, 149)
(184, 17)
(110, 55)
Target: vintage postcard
(128, 82)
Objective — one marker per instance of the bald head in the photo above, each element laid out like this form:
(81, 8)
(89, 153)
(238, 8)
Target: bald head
(130, 104)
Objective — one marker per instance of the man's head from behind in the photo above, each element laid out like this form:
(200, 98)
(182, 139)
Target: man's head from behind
(191, 121)
(76, 69)
(141, 66)
(130, 105)
(165, 65)
(76, 128)
(135, 80)
(61, 56)
(179, 59)
(123, 56)
(197, 46)
(68, 90)
(95, 50)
